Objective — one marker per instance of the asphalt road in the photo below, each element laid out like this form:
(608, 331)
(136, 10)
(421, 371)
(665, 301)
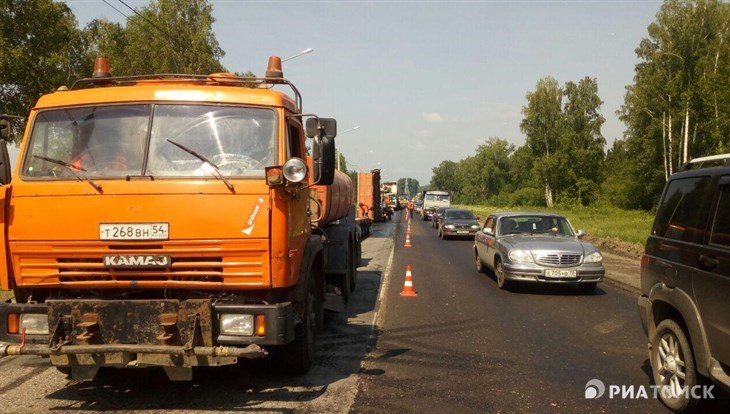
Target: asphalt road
(462, 345)
(29, 385)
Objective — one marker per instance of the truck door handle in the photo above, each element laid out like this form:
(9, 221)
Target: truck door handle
(708, 262)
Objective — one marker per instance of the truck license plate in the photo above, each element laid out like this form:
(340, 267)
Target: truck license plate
(560, 273)
(134, 231)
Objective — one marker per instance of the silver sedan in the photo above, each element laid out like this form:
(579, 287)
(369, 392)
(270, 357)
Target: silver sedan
(536, 247)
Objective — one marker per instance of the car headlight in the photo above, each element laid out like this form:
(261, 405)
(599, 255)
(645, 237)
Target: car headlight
(449, 226)
(520, 256)
(236, 324)
(34, 324)
(594, 257)
(475, 226)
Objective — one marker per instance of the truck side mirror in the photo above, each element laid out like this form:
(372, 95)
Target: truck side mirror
(320, 127)
(328, 127)
(327, 162)
(4, 129)
(311, 128)
(4, 163)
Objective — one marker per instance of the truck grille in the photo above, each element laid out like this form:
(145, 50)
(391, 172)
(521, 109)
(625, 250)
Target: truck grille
(558, 259)
(236, 262)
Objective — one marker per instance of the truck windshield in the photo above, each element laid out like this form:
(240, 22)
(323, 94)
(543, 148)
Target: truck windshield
(132, 140)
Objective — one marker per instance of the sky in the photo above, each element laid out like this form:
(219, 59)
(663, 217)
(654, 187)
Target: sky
(414, 83)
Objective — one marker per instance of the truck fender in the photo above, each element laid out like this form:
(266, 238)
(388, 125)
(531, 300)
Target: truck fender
(313, 256)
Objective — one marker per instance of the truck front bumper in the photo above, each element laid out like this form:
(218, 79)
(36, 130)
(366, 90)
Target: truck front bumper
(168, 333)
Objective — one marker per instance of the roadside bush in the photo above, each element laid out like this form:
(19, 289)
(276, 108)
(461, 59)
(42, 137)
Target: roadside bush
(527, 196)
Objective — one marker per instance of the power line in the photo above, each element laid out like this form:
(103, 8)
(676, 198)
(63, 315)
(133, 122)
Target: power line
(117, 10)
(176, 46)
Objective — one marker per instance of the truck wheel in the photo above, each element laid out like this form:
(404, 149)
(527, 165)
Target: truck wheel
(673, 367)
(296, 357)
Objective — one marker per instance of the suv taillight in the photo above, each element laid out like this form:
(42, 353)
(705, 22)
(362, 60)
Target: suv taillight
(644, 260)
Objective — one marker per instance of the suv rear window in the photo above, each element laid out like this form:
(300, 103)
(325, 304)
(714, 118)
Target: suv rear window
(683, 212)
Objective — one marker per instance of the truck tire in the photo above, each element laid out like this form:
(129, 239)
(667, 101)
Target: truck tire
(296, 357)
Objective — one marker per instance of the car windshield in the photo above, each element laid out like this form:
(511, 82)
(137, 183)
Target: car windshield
(554, 225)
(131, 140)
(459, 214)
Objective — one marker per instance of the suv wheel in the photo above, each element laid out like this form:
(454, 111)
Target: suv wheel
(673, 367)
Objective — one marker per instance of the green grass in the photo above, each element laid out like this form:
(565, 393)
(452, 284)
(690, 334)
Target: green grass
(631, 226)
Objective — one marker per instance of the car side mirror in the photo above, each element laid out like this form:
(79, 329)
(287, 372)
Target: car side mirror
(580, 234)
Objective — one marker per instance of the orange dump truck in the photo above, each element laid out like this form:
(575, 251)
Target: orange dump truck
(167, 220)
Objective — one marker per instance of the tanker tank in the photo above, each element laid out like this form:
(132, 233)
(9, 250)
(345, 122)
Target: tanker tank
(335, 200)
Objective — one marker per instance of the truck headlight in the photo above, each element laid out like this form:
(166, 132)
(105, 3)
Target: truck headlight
(236, 324)
(34, 324)
(520, 256)
(594, 257)
(295, 170)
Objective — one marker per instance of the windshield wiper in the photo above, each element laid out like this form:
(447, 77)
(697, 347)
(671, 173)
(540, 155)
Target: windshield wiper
(77, 171)
(205, 160)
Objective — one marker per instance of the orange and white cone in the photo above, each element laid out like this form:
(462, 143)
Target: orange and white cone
(408, 240)
(408, 286)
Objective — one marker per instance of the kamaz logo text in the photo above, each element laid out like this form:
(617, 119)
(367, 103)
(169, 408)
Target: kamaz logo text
(141, 260)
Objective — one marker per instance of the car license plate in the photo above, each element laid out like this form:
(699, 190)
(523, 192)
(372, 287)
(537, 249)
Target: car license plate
(134, 231)
(463, 232)
(560, 273)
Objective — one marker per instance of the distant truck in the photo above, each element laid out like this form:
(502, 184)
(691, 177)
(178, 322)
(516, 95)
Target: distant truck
(389, 188)
(433, 200)
(369, 194)
(166, 220)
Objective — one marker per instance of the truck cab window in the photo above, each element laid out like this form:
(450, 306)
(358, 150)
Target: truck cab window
(294, 142)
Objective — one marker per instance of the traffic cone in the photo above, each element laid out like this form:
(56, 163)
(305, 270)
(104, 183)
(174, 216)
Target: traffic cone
(408, 286)
(408, 240)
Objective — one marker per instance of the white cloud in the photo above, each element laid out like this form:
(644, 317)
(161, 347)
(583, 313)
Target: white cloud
(433, 117)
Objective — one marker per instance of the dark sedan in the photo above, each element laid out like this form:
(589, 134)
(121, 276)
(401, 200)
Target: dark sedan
(536, 247)
(456, 222)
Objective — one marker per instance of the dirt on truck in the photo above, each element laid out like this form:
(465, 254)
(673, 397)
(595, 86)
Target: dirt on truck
(173, 221)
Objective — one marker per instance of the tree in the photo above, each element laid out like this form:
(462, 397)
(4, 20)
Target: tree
(581, 144)
(408, 186)
(542, 126)
(444, 177)
(41, 50)
(172, 36)
(679, 104)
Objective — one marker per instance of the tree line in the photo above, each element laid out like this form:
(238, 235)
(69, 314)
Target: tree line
(677, 109)
(42, 47)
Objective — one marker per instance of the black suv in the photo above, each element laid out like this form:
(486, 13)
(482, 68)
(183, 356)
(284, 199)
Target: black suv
(685, 283)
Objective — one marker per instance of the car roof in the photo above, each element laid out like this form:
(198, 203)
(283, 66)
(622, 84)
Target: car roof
(525, 213)
(456, 209)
